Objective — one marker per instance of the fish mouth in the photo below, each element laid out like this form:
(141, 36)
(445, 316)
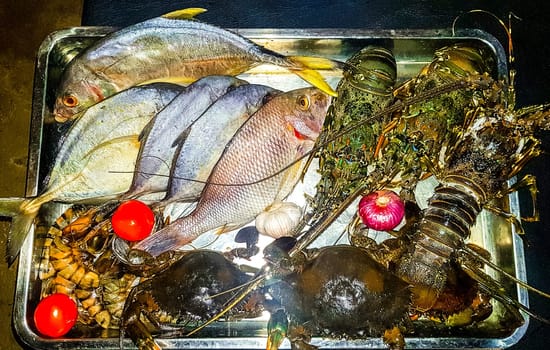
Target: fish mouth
(61, 116)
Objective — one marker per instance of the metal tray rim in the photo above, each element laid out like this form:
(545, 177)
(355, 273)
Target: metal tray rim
(20, 317)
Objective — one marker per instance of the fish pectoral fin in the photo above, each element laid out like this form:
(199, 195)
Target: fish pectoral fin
(187, 13)
(180, 140)
(320, 63)
(129, 139)
(184, 81)
(290, 178)
(226, 228)
(146, 130)
(9, 207)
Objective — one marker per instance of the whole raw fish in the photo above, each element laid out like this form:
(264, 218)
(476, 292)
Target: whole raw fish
(248, 176)
(158, 139)
(208, 137)
(96, 158)
(172, 46)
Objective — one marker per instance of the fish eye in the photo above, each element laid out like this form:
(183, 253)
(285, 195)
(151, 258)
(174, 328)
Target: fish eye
(303, 103)
(70, 100)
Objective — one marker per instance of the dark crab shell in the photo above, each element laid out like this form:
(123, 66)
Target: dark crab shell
(194, 288)
(342, 291)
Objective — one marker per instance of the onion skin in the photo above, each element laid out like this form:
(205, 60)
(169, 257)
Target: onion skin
(381, 210)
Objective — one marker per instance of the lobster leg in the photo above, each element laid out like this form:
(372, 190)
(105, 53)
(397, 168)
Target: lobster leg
(277, 329)
(530, 183)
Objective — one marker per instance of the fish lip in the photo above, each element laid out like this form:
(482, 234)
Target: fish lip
(60, 118)
(62, 115)
(59, 113)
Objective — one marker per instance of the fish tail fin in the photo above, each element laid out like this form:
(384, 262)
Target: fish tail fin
(174, 236)
(306, 68)
(187, 13)
(22, 215)
(314, 78)
(11, 206)
(320, 63)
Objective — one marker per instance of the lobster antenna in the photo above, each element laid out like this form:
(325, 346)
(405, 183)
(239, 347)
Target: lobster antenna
(473, 82)
(511, 58)
(494, 288)
(251, 286)
(507, 28)
(487, 284)
(477, 81)
(230, 290)
(497, 268)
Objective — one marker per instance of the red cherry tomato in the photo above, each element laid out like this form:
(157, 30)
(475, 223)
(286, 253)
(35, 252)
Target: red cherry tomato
(133, 220)
(55, 315)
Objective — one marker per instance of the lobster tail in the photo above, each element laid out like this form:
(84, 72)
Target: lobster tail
(454, 209)
(445, 223)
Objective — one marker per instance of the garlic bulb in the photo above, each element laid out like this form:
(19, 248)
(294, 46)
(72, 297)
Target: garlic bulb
(279, 219)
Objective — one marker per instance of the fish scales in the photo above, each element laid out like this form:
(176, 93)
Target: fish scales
(168, 48)
(248, 176)
(84, 169)
(212, 131)
(235, 55)
(124, 114)
(120, 117)
(159, 137)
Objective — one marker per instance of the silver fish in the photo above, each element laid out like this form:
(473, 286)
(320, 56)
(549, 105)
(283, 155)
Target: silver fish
(248, 176)
(208, 137)
(158, 139)
(84, 166)
(174, 46)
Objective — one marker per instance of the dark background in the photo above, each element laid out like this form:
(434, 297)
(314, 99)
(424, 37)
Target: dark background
(531, 49)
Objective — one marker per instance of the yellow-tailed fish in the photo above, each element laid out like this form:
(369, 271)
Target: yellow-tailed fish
(96, 158)
(175, 47)
(242, 184)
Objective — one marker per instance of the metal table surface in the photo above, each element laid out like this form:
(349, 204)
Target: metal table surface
(531, 48)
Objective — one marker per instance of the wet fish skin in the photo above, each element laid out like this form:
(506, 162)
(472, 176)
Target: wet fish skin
(171, 46)
(157, 140)
(206, 140)
(124, 115)
(242, 183)
(83, 166)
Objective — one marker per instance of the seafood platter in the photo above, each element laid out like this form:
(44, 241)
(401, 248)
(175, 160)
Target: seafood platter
(128, 302)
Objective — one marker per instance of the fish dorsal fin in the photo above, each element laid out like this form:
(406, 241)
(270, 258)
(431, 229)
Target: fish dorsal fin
(187, 13)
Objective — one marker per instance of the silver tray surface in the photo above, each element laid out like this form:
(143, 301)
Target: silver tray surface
(412, 49)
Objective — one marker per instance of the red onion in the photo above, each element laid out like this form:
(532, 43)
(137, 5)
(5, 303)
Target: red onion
(381, 210)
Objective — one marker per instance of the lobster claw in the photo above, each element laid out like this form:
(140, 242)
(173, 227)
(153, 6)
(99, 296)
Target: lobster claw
(277, 328)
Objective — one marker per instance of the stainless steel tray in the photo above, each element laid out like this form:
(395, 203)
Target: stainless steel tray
(412, 49)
